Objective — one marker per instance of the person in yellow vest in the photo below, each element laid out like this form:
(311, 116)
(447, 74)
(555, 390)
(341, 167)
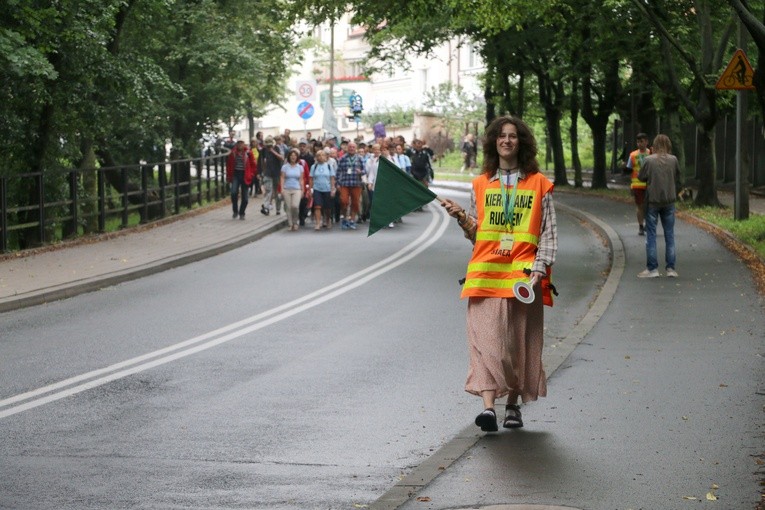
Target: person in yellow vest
(637, 187)
(512, 225)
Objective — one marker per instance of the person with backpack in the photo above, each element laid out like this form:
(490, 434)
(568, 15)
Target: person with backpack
(322, 182)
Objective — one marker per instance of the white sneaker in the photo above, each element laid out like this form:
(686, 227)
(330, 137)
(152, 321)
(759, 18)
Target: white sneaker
(645, 273)
(671, 273)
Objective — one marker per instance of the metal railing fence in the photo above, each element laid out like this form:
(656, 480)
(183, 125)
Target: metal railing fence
(40, 208)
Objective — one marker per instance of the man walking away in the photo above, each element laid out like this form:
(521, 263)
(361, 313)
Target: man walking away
(241, 167)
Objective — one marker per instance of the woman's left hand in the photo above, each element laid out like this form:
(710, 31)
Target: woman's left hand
(535, 277)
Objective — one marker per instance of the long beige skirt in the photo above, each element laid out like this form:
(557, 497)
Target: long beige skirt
(505, 340)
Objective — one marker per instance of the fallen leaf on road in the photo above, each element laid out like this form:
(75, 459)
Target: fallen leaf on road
(715, 486)
(356, 505)
(711, 496)
(689, 497)
(423, 499)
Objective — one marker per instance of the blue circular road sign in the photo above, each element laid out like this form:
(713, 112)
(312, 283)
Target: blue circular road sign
(305, 110)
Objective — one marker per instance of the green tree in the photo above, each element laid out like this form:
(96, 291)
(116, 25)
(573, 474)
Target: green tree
(707, 26)
(453, 107)
(117, 79)
(390, 115)
(756, 29)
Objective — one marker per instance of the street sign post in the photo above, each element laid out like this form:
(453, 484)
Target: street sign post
(305, 90)
(305, 110)
(738, 76)
(356, 107)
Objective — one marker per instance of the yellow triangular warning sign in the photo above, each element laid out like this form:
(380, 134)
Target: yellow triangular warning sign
(738, 74)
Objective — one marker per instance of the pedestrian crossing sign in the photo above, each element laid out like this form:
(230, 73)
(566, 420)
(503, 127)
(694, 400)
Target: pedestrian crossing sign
(738, 75)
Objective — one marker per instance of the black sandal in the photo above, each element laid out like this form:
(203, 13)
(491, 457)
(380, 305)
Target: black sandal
(513, 418)
(487, 420)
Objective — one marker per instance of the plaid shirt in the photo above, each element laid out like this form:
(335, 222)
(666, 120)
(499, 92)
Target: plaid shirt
(547, 248)
(349, 171)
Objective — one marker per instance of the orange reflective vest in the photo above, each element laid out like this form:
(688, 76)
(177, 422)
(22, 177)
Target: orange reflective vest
(493, 270)
(637, 158)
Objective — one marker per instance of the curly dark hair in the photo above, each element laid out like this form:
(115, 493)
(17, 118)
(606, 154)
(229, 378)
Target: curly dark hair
(527, 146)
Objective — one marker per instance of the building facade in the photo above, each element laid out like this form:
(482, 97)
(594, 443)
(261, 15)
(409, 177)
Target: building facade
(397, 85)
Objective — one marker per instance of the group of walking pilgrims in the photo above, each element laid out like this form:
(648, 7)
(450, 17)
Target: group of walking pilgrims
(320, 181)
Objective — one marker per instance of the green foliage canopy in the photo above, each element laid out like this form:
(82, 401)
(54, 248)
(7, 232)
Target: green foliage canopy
(122, 77)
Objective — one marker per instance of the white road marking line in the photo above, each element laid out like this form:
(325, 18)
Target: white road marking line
(191, 346)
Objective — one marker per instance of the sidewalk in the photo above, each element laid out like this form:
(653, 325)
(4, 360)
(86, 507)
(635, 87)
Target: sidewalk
(87, 265)
(657, 406)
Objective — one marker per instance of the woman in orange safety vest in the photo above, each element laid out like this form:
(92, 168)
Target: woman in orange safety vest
(512, 225)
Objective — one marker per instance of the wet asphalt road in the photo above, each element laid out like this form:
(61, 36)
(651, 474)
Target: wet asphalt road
(307, 370)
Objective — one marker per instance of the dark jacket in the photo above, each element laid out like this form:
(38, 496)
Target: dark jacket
(421, 163)
(661, 172)
(269, 163)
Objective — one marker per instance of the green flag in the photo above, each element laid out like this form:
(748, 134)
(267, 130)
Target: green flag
(396, 195)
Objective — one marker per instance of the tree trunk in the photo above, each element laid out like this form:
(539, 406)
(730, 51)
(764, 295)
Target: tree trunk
(251, 123)
(597, 117)
(555, 140)
(599, 129)
(550, 96)
(488, 96)
(521, 102)
(706, 164)
(707, 192)
(503, 75)
(30, 237)
(574, 135)
(89, 183)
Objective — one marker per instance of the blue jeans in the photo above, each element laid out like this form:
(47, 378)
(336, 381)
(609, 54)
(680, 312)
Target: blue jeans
(238, 187)
(667, 215)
